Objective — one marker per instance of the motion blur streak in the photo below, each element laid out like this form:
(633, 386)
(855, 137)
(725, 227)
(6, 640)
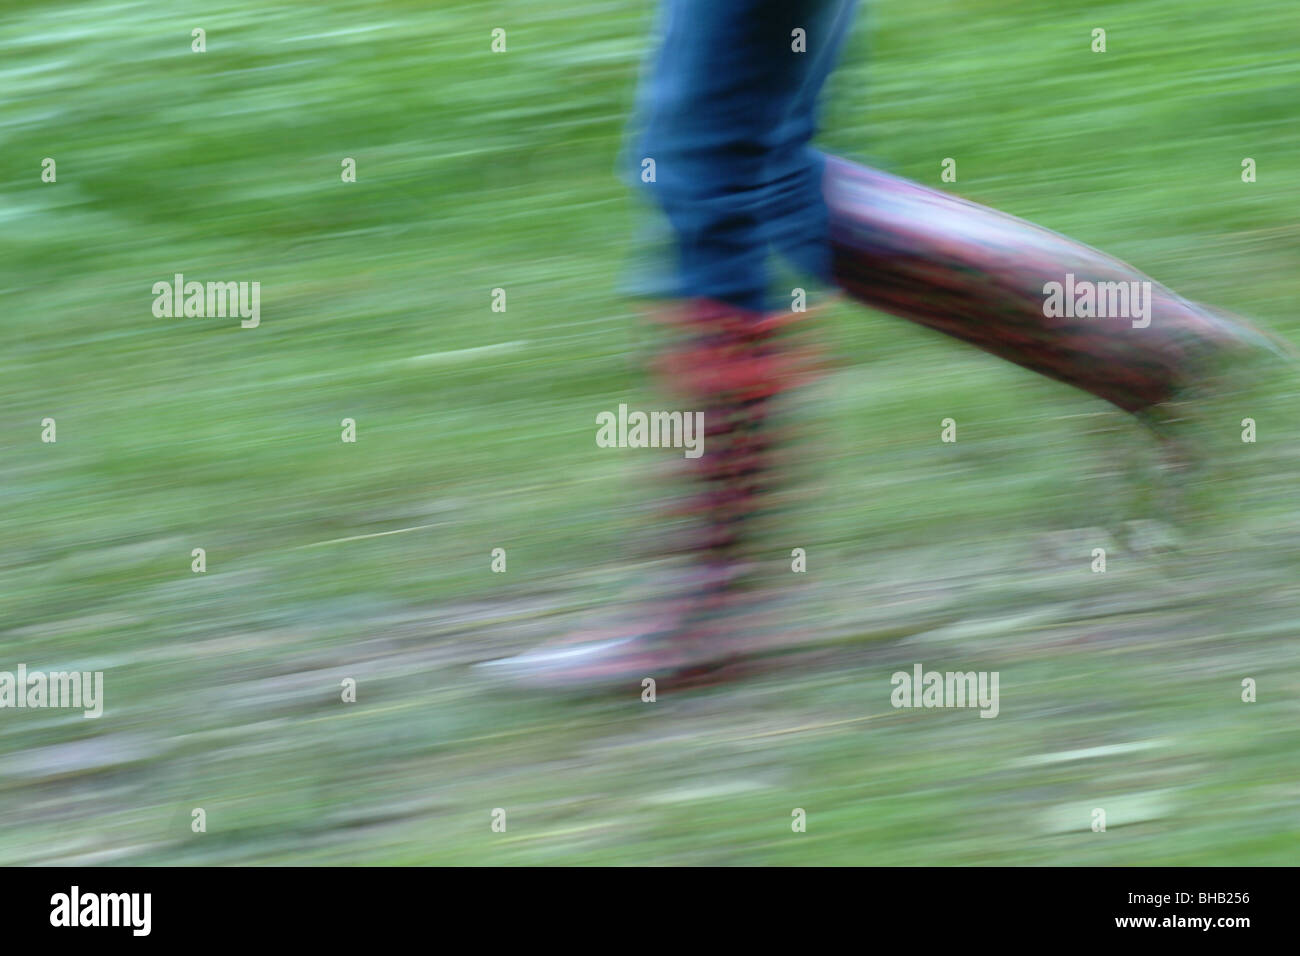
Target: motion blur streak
(200, 530)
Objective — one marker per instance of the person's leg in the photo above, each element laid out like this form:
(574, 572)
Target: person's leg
(728, 111)
(731, 108)
(796, 219)
(983, 276)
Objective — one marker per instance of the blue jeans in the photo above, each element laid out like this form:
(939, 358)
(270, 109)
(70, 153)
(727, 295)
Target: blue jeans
(727, 113)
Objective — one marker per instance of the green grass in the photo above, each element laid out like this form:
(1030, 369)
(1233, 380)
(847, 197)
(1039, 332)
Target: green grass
(478, 171)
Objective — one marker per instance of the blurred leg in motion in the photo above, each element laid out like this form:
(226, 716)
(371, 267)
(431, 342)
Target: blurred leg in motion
(982, 276)
(728, 112)
(729, 109)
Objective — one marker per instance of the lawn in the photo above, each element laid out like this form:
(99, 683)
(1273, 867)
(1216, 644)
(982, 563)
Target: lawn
(329, 560)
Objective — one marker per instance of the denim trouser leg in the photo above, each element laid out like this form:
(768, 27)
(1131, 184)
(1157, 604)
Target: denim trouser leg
(730, 108)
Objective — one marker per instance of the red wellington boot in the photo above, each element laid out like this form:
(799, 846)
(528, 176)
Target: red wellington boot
(732, 365)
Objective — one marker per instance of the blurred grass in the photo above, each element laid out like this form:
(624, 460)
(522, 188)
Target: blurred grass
(476, 171)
